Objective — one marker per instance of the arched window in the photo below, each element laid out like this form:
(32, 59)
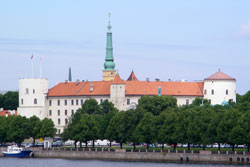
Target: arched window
(59, 131)
(227, 92)
(27, 91)
(59, 121)
(212, 92)
(66, 121)
(205, 92)
(35, 101)
(34, 91)
(21, 101)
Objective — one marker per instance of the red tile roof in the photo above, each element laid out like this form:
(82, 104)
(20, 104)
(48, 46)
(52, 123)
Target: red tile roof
(132, 88)
(3, 113)
(219, 76)
(117, 80)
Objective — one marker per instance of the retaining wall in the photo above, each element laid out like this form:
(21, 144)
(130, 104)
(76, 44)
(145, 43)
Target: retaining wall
(122, 155)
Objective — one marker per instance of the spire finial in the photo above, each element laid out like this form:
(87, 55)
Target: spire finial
(109, 25)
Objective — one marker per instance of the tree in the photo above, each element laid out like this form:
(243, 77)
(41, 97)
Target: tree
(47, 128)
(10, 100)
(3, 129)
(156, 104)
(167, 130)
(224, 129)
(35, 126)
(17, 129)
(145, 131)
(90, 107)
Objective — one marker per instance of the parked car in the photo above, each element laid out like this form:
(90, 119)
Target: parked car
(57, 144)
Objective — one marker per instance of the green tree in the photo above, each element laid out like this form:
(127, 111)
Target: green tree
(17, 129)
(156, 104)
(3, 129)
(10, 100)
(47, 128)
(145, 131)
(35, 125)
(167, 130)
(90, 107)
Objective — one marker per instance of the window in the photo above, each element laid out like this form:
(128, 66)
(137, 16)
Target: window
(72, 112)
(209, 101)
(101, 100)
(205, 92)
(27, 91)
(212, 92)
(66, 112)
(21, 101)
(66, 121)
(65, 102)
(59, 121)
(58, 112)
(128, 101)
(81, 102)
(77, 102)
(50, 112)
(187, 102)
(58, 102)
(72, 102)
(226, 92)
(50, 103)
(59, 131)
(35, 101)
(34, 91)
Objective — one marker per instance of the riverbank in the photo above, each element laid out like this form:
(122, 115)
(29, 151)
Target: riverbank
(163, 156)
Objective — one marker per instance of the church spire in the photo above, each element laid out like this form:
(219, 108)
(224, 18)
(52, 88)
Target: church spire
(109, 60)
(70, 76)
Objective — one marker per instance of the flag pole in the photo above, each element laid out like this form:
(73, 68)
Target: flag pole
(32, 66)
(41, 67)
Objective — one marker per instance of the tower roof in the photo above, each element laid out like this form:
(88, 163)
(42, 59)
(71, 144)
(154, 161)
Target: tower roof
(132, 77)
(118, 80)
(219, 76)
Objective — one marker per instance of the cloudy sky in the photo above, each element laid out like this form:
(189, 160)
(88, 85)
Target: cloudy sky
(164, 39)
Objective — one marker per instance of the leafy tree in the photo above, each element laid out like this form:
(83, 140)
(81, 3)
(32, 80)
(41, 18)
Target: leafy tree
(167, 130)
(47, 128)
(90, 107)
(17, 129)
(35, 125)
(156, 104)
(3, 129)
(10, 100)
(145, 131)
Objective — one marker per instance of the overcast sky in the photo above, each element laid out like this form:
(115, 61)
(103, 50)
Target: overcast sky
(164, 39)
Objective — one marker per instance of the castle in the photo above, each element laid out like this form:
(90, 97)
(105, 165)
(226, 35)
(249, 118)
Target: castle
(61, 101)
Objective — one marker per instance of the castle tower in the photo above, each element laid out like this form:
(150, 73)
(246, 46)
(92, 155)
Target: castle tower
(32, 97)
(220, 88)
(109, 65)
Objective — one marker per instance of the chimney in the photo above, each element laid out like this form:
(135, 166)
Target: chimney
(157, 79)
(66, 81)
(147, 79)
(77, 81)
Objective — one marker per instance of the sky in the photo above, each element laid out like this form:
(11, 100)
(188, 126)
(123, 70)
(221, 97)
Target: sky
(165, 39)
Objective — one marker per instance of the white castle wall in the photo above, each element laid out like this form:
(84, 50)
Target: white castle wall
(32, 97)
(117, 95)
(219, 87)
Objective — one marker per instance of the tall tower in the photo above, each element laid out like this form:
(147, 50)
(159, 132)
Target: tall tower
(109, 71)
(70, 76)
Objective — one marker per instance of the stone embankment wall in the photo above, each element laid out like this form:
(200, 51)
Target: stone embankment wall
(123, 155)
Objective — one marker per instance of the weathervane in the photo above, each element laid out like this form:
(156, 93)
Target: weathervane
(109, 25)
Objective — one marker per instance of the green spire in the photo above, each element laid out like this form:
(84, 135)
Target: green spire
(70, 76)
(109, 60)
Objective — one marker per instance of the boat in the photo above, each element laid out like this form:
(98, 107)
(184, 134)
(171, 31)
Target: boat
(15, 151)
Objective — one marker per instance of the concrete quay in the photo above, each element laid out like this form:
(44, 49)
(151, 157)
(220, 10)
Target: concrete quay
(208, 157)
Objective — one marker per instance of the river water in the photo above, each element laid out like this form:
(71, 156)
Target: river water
(37, 162)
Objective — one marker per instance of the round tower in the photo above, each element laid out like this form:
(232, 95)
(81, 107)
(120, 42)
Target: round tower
(220, 88)
(32, 97)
